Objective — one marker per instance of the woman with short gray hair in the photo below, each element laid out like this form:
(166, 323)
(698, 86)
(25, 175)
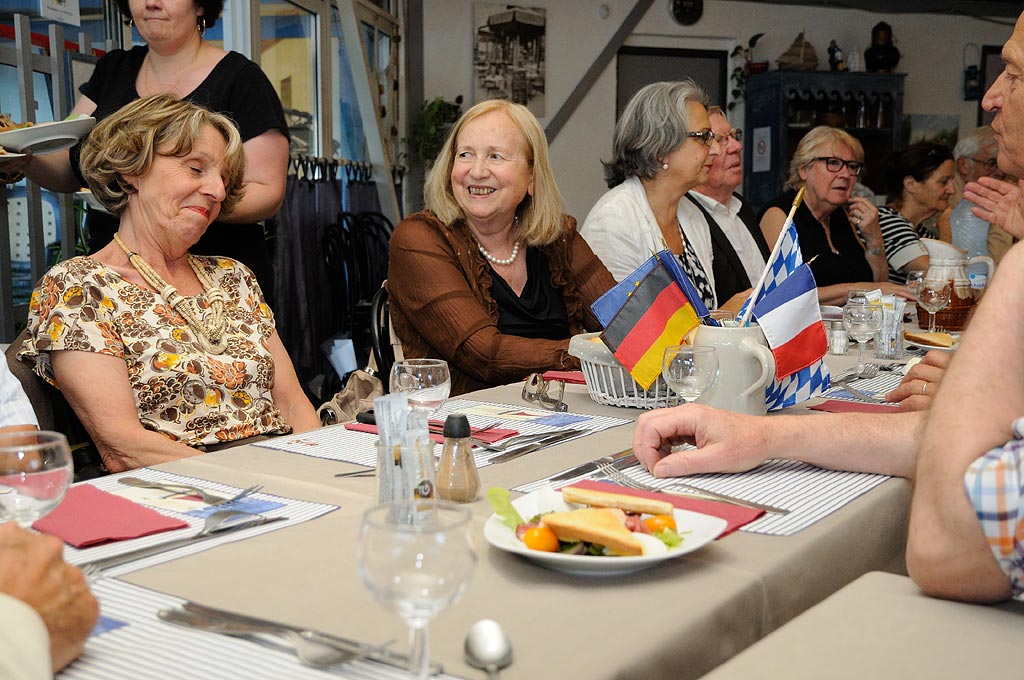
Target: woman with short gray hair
(663, 147)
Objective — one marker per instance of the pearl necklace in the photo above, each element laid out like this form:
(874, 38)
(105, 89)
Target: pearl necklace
(494, 260)
(209, 331)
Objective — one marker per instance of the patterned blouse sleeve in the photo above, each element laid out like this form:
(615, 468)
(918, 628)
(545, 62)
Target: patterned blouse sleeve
(994, 485)
(73, 308)
(250, 296)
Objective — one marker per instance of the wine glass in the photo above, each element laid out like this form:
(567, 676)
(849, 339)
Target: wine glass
(914, 279)
(862, 321)
(416, 557)
(36, 470)
(689, 370)
(426, 383)
(933, 296)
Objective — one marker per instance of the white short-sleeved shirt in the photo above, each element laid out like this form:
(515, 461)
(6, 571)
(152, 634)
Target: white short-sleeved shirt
(15, 408)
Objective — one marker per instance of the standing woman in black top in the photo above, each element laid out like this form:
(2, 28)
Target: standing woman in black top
(839, 235)
(176, 60)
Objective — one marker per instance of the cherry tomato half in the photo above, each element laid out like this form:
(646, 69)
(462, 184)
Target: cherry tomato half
(659, 522)
(541, 538)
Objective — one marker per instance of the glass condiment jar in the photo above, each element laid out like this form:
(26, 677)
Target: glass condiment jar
(457, 478)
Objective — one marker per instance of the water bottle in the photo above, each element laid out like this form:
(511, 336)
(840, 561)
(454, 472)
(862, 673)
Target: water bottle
(970, 232)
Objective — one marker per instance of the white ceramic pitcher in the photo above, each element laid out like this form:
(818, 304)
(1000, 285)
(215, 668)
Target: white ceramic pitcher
(950, 262)
(745, 367)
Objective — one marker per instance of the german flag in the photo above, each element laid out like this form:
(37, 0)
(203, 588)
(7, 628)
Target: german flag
(655, 316)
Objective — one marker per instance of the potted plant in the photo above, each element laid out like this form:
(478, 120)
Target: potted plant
(740, 73)
(430, 128)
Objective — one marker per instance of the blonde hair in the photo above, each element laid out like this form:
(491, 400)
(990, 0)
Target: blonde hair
(126, 142)
(540, 215)
(807, 150)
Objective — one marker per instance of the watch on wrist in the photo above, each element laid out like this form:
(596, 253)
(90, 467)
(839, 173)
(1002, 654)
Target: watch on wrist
(875, 251)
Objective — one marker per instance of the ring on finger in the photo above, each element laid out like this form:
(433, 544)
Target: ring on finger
(924, 387)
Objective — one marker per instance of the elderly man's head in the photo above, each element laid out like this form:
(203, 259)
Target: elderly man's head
(975, 155)
(727, 169)
(1006, 99)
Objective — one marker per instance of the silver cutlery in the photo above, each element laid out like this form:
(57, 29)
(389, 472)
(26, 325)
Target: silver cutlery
(358, 473)
(208, 497)
(522, 439)
(551, 438)
(611, 470)
(860, 394)
(378, 653)
(216, 524)
(309, 651)
(585, 468)
(868, 371)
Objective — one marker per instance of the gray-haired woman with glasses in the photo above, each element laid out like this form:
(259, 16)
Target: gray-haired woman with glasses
(919, 182)
(663, 147)
(839, 234)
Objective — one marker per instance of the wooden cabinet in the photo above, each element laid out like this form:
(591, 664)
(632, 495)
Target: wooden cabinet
(782, 106)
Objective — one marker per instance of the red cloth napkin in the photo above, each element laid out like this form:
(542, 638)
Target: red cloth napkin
(571, 377)
(736, 516)
(841, 406)
(490, 435)
(88, 516)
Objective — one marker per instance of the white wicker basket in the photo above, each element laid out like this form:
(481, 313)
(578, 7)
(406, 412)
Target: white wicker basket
(608, 382)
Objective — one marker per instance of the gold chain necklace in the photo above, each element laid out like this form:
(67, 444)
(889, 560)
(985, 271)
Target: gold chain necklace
(210, 329)
(173, 86)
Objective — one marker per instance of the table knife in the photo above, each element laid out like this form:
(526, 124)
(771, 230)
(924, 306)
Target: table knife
(585, 468)
(553, 438)
(149, 551)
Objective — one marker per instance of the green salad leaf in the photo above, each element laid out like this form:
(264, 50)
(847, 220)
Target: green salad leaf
(501, 504)
(669, 537)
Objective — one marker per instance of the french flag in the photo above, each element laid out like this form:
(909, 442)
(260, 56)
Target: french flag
(791, 320)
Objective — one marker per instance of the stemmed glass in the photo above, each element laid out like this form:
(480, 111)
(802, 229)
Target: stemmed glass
(933, 296)
(914, 279)
(36, 470)
(426, 383)
(416, 557)
(689, 371)
(862, 322)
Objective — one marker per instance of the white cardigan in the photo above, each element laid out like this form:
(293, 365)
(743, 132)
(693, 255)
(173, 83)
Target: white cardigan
(622, 231)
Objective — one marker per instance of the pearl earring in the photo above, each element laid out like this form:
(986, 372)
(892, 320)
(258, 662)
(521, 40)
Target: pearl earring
(664, 166)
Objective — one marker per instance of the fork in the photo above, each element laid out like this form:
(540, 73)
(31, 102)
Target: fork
(173, 487)
(869, 371)
(521, 439)
(606, 468)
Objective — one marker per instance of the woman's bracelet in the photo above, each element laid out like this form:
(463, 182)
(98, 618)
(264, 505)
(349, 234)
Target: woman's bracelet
(880, 250)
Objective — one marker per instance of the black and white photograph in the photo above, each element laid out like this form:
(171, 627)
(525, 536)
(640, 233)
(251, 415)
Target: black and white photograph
(508, 54)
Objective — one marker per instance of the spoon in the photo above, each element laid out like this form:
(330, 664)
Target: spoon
(488, 647)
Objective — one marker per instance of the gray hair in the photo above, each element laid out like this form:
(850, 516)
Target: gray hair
(974, 141)
(653, 125)
(809, 146)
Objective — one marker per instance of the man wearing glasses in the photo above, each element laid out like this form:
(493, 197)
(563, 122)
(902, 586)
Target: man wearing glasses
(975, 157)
(738, 248)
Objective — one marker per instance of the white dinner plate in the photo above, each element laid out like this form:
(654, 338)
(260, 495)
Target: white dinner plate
(9, 154)
(695, 529)
(44, 138)
(926, 346)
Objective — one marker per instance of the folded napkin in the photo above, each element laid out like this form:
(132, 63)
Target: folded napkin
(88, 516)
(571, 377)
(840, 406)
(736, 516)
(490, 435)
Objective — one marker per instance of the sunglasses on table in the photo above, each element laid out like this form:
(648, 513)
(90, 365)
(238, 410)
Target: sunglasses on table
(548, 394)
(833, 164)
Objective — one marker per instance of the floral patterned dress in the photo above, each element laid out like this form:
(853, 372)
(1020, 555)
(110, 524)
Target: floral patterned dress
(180, 391)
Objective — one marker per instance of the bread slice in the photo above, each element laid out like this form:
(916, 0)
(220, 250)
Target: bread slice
(603, 526)
(934, 339)
(603, 499)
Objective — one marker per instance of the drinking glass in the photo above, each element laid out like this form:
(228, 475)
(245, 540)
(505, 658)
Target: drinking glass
(36, 470)
(862, 321)
(914, 279)
(426, 383)
(857, 297)
(933, 296)
(416, 557)
(689, 371)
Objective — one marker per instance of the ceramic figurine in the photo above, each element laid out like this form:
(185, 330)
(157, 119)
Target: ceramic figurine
(835, 57)
(882, 56)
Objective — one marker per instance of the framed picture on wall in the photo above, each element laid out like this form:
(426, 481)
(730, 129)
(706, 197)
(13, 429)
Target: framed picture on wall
(991, 67)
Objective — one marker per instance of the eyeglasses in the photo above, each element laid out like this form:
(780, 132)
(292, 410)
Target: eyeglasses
(988, 163)
(706, 136)
(836, 164)
(735, 133)
(547, 393)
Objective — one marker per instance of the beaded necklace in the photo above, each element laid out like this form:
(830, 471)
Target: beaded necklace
(210, 328)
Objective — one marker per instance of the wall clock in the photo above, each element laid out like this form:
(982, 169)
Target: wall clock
(686, 12)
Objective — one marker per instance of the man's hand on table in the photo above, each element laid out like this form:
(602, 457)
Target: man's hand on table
(917, 389)
(725, 441)
(33, 571)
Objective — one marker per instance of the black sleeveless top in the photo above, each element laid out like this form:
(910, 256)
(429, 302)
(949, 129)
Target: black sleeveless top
(540, 311)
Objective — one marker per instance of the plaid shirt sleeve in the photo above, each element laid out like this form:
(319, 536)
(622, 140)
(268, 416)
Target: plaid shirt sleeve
(15, 408)
(995, 484)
